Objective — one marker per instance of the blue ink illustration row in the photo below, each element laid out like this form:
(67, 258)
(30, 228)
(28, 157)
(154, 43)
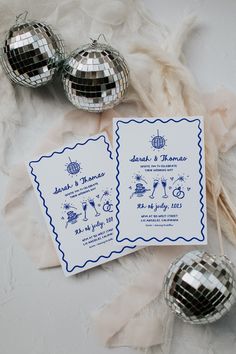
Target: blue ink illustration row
(90, 207)
(174, 186)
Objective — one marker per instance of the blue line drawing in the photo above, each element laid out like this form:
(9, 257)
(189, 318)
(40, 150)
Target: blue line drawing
(108, 207)
(106, 193)
(84, 207)
(93, 205)
(178, 193)
(164, 185)
(67, 206)
(68, 269)
(117, 137)
(72, 218)
(158, 142)
(154, 187)
(139, 191)
(139, 178)
(73, 167)
(181, 179)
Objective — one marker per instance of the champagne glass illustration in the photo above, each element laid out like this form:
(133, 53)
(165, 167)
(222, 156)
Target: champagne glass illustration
(84, 206)
(164, 184)
(92, 203)
(154, 187)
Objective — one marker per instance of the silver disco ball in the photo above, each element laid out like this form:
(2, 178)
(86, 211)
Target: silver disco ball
(31, 53)
(200, 288)
(95, 77)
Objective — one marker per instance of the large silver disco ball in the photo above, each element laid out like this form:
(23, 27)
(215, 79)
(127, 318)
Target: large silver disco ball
(31, 53)
(200, 288)
(95, 77)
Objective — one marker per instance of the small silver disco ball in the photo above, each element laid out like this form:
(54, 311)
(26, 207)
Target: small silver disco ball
(31, 53)
(200, 288)
(95, 77)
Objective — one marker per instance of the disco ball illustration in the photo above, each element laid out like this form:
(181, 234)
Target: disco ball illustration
(73, 167)
(95, 77)
(158, 142)
(200, 288)
(31, 53)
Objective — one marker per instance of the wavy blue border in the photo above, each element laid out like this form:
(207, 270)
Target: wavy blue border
(118, 182)
(49, 216)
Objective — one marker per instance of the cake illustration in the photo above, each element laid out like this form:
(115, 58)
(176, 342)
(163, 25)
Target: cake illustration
(140, 190)
(72, 217)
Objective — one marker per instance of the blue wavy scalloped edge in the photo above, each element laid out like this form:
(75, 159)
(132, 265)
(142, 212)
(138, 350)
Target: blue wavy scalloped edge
(118, 182)
(69, 270)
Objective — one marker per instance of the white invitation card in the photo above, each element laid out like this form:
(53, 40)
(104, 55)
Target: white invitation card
(160, 181)
(74, 186)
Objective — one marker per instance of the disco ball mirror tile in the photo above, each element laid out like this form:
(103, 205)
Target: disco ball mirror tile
(199, 287)
(31, 53)
(95, 77)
